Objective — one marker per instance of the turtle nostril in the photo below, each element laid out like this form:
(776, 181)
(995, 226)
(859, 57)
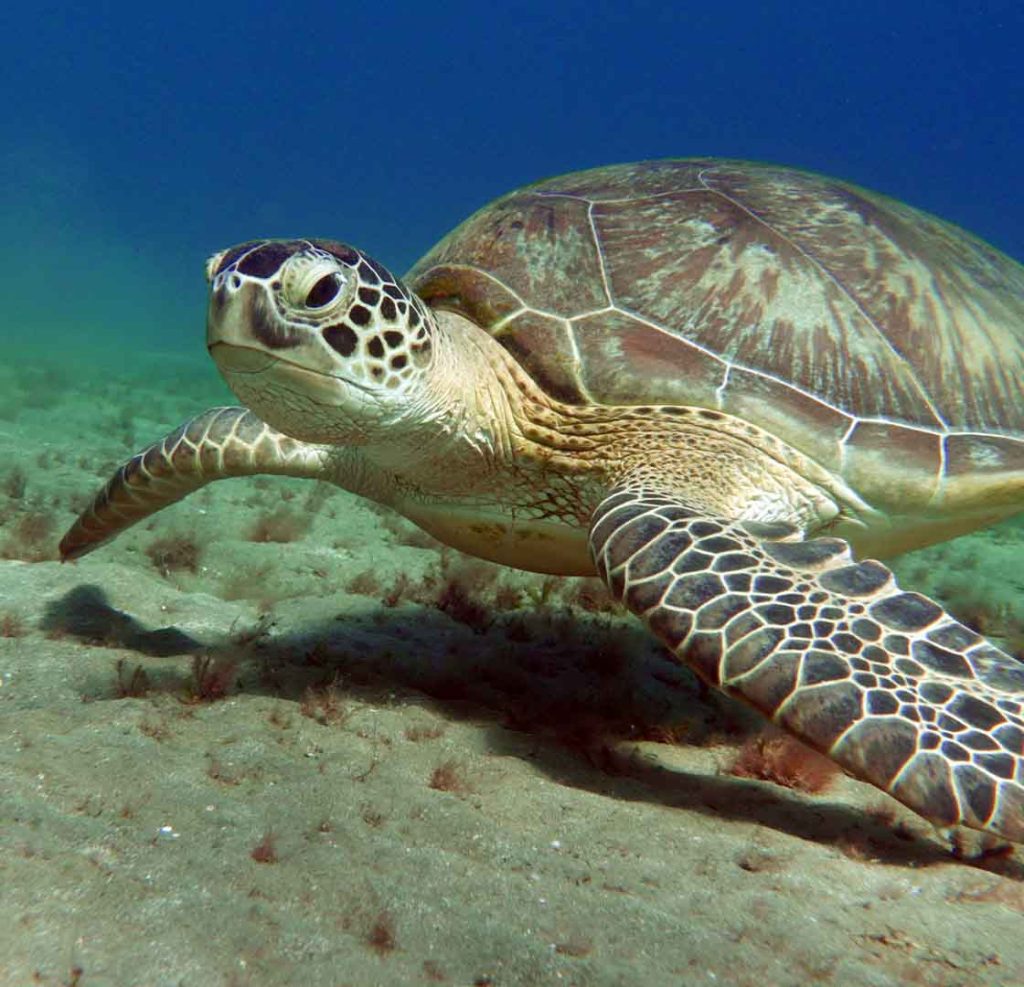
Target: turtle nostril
(324, 291)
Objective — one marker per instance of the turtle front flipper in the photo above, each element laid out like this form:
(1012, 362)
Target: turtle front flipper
(219, 443)
(882, 681)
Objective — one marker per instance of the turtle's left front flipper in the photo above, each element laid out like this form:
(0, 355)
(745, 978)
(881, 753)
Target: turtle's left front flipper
(219, 443)
(882, 681)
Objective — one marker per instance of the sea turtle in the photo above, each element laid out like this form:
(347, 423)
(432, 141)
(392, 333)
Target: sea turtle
(706, 381)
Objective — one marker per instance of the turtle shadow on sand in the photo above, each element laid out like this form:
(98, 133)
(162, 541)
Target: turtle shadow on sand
(565, 694)
(84, 613)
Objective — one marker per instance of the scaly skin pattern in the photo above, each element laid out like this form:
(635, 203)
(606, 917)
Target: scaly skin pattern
(220, 443)
(882, 681)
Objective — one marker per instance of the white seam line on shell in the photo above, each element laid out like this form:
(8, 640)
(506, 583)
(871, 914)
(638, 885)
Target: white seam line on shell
(720, 390)
(936, 496)
(602, 267)
(844, 444)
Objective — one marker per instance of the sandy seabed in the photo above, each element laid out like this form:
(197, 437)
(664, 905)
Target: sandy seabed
(274, 736)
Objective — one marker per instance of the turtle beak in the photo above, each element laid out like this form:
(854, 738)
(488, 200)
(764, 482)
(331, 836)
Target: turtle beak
(238, 359)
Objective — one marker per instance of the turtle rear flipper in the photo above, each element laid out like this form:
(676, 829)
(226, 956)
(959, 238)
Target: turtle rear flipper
(882, 681)
(219, 443)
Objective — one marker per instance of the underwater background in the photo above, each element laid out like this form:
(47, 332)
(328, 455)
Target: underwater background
(137, 141)
(277, 735)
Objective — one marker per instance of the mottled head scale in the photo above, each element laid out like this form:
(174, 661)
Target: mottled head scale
(324, 296)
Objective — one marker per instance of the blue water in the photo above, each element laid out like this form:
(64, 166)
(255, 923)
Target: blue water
(138, 138)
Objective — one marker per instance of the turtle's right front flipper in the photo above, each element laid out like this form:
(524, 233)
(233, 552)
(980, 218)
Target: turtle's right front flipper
(219, 443)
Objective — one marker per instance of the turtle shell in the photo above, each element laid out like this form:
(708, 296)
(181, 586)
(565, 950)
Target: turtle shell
(883, 342)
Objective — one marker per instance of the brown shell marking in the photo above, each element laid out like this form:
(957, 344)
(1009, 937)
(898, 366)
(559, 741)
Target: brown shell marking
(883, 342)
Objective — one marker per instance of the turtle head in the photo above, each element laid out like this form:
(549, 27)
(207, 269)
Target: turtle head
(321, 341)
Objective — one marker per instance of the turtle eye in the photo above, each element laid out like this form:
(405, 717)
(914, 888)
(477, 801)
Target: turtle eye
(323, 292)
